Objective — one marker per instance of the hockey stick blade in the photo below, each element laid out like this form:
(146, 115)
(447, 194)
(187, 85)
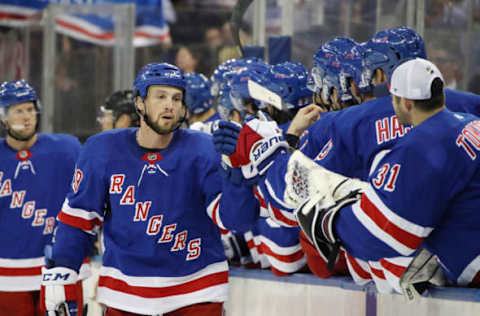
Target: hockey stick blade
(261, 93)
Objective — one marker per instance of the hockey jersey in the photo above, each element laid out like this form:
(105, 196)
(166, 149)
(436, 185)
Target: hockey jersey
(160, 212)
(424, 192)
(347, 142)
(33, 185)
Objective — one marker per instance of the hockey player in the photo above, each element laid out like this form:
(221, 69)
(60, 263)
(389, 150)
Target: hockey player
(436, 159)
(200, 103)
(35, 174)
(164, 205)
(348, 141)
(118, 111)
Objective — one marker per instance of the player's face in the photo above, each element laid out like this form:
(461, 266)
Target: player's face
(21, 120)
(400, 110)
(164, 106)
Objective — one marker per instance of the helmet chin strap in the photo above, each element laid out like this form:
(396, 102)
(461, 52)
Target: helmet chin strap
(152, 126)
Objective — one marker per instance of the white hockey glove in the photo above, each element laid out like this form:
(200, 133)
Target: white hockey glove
(422, 271)
(306, 180)
(59, 291)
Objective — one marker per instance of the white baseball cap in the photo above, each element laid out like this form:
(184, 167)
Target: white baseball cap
(413, 79)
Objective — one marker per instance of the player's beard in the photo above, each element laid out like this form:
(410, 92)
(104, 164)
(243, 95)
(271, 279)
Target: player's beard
(166, 126)
(22, 134)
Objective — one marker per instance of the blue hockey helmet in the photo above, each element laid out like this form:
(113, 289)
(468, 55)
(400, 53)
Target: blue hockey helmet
(331, 81)
(16, 92)
(197, 97)
(225, 105)
(414, 41)
(321, 59)
(351, 68)
(289, 81)
(385, 51)
(238, 82)
(158, 74)
(341, 45)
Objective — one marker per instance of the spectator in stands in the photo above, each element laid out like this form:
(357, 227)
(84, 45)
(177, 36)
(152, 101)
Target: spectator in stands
(186, 60)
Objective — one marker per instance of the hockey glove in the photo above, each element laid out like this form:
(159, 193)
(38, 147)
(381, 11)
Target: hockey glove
(316, 218)
(259, 143)
(225, 137)
(422, 271)
(59, 291)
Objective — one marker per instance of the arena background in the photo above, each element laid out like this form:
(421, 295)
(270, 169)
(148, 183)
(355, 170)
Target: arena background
(76, 65)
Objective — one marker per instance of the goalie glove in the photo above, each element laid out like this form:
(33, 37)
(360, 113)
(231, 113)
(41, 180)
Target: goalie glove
(422, 271)
(306, 180)
(316, 218)
(59, 291)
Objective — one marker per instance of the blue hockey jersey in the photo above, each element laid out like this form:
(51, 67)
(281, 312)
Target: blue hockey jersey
(33, 185)
(160, 212)
(424, 192)
(348, 141)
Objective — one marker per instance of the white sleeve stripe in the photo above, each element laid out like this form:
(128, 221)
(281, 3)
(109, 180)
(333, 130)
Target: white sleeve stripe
(77, 212)
(470, 272)
(284, 251)
(211, 206)
(401, 222)
(377, 159)
(272, 194)
(22, 263)
(372, 227)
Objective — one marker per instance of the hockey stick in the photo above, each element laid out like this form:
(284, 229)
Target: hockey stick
(261, 93)
(236, 22)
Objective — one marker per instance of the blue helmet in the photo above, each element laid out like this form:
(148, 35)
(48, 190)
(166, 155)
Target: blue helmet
(414, 41)
(386, 50)
(351, 68)
(341, 45)
(197, 96)
(289, 81)
(158, 74)
(225, 68)
(332, 80)
(16, 92)
(225, 105)
(321, 59)
(238, 82)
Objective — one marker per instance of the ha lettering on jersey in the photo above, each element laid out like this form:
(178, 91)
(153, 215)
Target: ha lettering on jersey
(389, 128)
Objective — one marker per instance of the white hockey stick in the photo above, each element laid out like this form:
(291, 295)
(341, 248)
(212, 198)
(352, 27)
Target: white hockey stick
(261, 93)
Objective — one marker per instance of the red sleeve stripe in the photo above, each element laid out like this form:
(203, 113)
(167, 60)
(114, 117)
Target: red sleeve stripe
(281, 217)
(377, 272)
(393, 268)
(398, 233)
(356, 268)
(293, 257)
(21, 271)
(79, 222)
(158, 292)
(259, 198)
(216, 217)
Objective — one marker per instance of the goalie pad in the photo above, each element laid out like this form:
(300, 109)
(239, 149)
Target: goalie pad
(306, 180)
(422, 271)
